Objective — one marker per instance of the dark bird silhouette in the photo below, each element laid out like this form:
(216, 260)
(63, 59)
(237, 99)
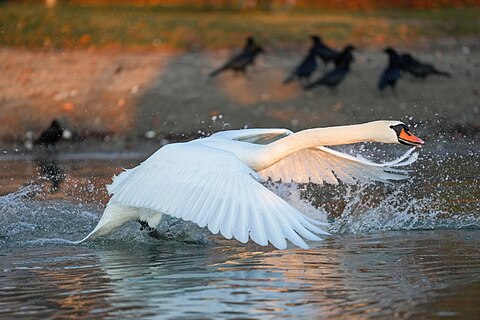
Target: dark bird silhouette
(345, 56)
(393, 72)
(305, 69)
(325, 53)
(51, 135)
(242, 60)
(419, 69)
(49, 170)
(333, 78)
(249, 44)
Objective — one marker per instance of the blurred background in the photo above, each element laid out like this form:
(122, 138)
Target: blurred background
(88, 88)
(124, 71)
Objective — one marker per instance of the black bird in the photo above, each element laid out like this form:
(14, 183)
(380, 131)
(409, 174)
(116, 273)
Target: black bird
(51, 135)
(325, 53)
(305, 69)
(345, 55)
(393, 72)
(249, 44)
(50, 170)
(420, 69)
(332, 78)
(243, 59)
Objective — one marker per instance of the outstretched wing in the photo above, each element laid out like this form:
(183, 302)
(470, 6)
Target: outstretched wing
(324, 165)
(213, 188)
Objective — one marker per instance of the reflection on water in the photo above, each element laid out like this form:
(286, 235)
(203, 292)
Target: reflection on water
(50, 170)
(407, 251)
(80, 178)
(401, 274)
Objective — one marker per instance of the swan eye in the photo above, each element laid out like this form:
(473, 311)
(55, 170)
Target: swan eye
(398, 128)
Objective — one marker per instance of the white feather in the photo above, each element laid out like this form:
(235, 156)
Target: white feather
(216, 193)
(213, 181)
(324, 165)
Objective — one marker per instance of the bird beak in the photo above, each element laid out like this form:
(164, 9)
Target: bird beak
(406, 137)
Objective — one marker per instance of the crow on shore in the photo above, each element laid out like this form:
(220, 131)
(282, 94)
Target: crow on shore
(50, 136)
(345, 55)
(305, 69)
(420, 69)
(325, 53)
(393, 71)
(332, 79)
(242, 60)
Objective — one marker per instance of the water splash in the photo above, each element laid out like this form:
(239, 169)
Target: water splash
(23, 218)
(442, 193)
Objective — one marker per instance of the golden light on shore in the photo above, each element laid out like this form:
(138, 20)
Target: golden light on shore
(97, 88)
(50, 3)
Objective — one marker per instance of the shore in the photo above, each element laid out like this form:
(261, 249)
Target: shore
(129, 94)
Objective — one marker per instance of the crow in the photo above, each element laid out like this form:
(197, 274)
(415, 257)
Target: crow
(393, 72)
(345, 55)
(332, 78)
(323, 51)
(243, 59)
(419, 69)
(51, 135)
(305, 69)
(249, 44)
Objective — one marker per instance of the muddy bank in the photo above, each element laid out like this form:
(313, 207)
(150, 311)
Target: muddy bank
(123, 95)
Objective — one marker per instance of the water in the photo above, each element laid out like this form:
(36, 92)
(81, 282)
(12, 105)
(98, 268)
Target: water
(407, 251)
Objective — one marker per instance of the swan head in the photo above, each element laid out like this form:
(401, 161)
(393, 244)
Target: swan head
(396, 132)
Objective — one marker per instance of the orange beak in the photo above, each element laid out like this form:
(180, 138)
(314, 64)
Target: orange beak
(406, 137)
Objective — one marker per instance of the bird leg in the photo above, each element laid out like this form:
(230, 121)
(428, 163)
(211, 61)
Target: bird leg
(152, 232)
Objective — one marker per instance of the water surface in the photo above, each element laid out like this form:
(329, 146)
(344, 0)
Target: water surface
(410, 250)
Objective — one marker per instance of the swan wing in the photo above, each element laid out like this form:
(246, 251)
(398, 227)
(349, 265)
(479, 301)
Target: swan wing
(258, 136)
(324, 165)
(213, 188)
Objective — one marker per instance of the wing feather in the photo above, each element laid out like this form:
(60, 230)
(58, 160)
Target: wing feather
(257, 227)
(324, 165)
(213, 188)
(290, 232)
(240, 233)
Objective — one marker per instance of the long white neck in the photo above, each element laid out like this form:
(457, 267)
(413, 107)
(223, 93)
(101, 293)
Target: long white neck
(310, 138)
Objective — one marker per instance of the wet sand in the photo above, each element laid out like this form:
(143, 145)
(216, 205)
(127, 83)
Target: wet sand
(124, 94)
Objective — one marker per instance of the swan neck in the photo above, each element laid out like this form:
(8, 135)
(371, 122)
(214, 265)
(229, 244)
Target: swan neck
(316, 137)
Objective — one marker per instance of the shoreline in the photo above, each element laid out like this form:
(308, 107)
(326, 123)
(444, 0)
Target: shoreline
(121, 95)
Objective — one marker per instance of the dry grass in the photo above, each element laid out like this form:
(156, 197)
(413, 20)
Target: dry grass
(74, 26)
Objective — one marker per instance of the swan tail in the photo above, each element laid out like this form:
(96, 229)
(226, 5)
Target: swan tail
(114, 216)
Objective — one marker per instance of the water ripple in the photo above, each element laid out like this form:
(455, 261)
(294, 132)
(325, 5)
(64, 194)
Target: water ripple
(408, 251)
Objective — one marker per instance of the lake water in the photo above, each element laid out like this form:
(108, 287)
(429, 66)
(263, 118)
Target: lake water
(408, 251)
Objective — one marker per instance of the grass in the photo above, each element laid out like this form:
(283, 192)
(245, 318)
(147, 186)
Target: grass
(74, 26)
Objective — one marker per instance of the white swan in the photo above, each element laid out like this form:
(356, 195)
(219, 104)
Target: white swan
(216, 181)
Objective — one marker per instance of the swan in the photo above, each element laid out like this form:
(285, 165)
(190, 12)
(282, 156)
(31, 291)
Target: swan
(217, 181)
